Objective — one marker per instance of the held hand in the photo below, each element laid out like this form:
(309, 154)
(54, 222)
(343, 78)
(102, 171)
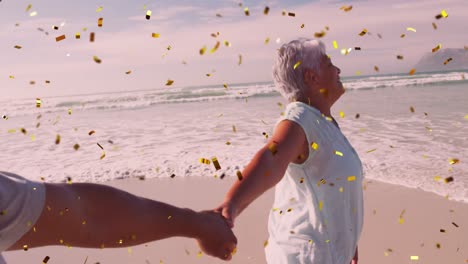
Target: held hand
(228, 211)
(355, 258)
(215, 237)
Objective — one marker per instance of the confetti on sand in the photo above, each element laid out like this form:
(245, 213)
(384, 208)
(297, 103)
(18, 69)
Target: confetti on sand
(169, 82)
(216, 163)
(38, 102)
(454, 161)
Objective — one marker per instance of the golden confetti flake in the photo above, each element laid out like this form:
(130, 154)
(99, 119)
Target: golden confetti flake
(320, 205)
(103, 155)
(91, 132)
(45, 260)
(99, 145)
(466, 116)
(246, 11)
(297, 64)
(28, 7)
(100, 20)
(266, 10)
(5, 117)
(38, 102)
(239, 175)
(148, 15)
(240, 60)
(439, 46)
(128, 72)
(412, 71)
(199, 254)
(346, 51)
(320, 34)
(291, 14)
(410, 29)
(57, 139)
(376, 68)
(448, 179)
(23, 131)
(335, 44)
(338, 153)
(99, 9)
(402, 35)
(437, 178)
(215, 48)
(363, 32)
(25, 247)
(11, 131)
(169, 82)
(155, 35)
(202, 50)
(267, 40)
(346, 8)
(91, 37)
(447, 61)
(342, 115)
(400, 57)
(414, 258)
(434, 25)
(351, 178)
(216, 163)
(76, 146)
(371, 150)
(412, 109)
(60, 38)
(302, 26)
(33, 13)
(97, 60)
(314, 146)
(18, 47)
(273, 148)
(204, 161)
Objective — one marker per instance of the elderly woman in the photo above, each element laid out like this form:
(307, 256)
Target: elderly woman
(317, 215)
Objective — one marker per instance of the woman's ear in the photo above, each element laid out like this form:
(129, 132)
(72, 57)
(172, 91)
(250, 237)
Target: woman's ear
(309, 76)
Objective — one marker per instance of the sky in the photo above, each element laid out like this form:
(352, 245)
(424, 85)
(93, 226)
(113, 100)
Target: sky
(124, 43)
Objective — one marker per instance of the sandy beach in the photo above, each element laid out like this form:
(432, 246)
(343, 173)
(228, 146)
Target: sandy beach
(385, 238)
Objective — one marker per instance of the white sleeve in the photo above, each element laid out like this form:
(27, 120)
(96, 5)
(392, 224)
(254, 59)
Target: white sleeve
(21, 204)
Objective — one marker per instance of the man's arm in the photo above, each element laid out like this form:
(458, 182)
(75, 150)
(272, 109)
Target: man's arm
(265, 170)
(97, 216)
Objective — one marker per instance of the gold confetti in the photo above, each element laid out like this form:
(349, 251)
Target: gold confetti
(246, 11)
(45, 260)
(363, 32)
(338, 153)
(33, 13)
(454, 224)
(100, 20)
(148, 15)
(38, 102)
(351, 178)
(302, 26)
(402, 35)
(412, 109)
(439, 46)
(5, 117)
(99, 145)
(400, 57)
(11, 77)
(291, 14)
(447, 61)
(91, 37)
(216, 163)
(97, 60)
(23, 131)
(199, 254)
(414, 257)
(91, 132)
(372, 150)
(410, 29)
(335, 44)
(17, 47)
(267, 40)
(272, 148)
(99, 9)
(412, 71)
(320, 205)
(346, 8)
(60, 38)
(77, 35)
(297, 64)
(155, 35)
(466, 117)
(57, 139)
(25, 247)
(448, 179)
(128, 72)
(76, 146)
(434, 25)
(28, 7)
(103, 155)
(266, 10)
(202, 50)
(342, 115)
(320, 34)
(239, 175)
(240, 60)
(169, 82)
(345, 51)
(215, 47)
(314, 146)
(376, 68)
(322, 181)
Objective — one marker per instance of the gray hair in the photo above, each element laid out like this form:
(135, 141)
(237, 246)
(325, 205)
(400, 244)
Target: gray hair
(289, 81)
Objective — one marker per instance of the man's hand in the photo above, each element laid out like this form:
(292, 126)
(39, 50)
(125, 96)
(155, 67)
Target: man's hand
(215, 236)
(228, 211)
(355, 258)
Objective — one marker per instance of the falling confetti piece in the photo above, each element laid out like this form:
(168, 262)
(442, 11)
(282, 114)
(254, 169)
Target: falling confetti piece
(447, 61)
(246, 11)
(169, 82)
(346, 8)
(215, 48)
(45, 260)
(38, 102)
(55, 27)
(291, 14)
(100, 20)
(18, 47)
(351, 178)
(240, 60)
(372, 150)
(60, 38)
(202, 50)
(91, 37)
(91, 132)
(412, 71)
(34, 13)
(402, 35)
(363, 32)
(338, 153)
(239, 175)
(216, 163)
(434, 25)
(341, 189)
(128, 72)
(448, 179)
(400, 57)
(28, 7)
(99, 9)
(23, 131)
(376, 68)
(335, 44)
(314, 146)
(320, 34)
(345, 51)
(103, 155)
(272, 148)
(297, 64)
(99, 145)
(25, 247)
(96, 59)
(410, 29)
(5, 117)
(342, 115)
(454, 224)
(266, 10)
(357, 116)
(76, 146)
(57, 139)
(439, 46)
(454, 161)
(302, 25)
(148, 15)
(155, 35)
(414, 257)
(320, 205)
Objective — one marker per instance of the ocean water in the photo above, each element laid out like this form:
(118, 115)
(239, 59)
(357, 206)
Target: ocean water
(164, 132)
